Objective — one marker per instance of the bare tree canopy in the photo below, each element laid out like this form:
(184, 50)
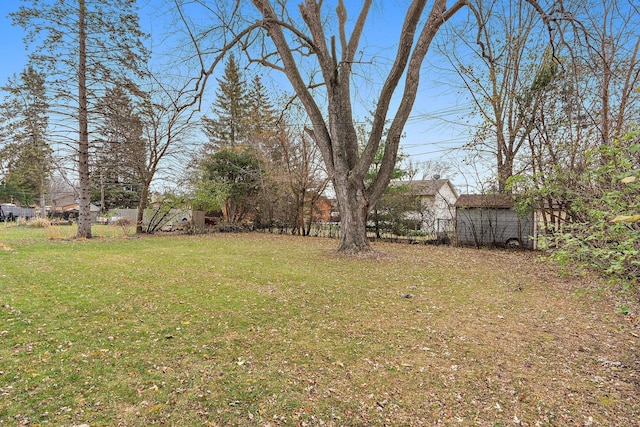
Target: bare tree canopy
(322, 53)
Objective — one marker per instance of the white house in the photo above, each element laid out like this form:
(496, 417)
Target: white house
(437, 200)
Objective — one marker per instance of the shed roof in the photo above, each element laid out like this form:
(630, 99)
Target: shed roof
(495, 201)
(75, 207)
(425, 187)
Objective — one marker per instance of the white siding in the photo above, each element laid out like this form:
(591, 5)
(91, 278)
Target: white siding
(438, 211)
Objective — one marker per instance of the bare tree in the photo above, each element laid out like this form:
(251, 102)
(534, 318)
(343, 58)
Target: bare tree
(605, 60)
(593, 103)
(302, 174)
(430, 169)
(509, 69)
(276, 40)
(165, 130)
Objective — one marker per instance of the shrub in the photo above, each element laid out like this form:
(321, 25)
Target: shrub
(605, 232)
(229, 227)
(125, 223)
(38, 223)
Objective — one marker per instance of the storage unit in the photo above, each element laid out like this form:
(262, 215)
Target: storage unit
(489, 220)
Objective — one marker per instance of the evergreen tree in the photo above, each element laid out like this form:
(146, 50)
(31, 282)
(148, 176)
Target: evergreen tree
(230, 181)
(227, 129)
(263, 120)
(120, 152)
(25, 155)
(85, 47)
(242, 139)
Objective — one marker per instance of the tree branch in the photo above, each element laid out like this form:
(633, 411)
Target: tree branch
(402, 57)
(438, 16)
(320, 132)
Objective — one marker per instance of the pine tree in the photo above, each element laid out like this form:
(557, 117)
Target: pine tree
(262, 129)
(227, 129)
(246, 126)
(85, 47)
(25, 155)
(120, 151)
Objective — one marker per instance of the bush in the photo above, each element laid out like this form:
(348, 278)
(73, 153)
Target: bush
(229, 227)
(605, 233)
(125, 223)
(38, 223)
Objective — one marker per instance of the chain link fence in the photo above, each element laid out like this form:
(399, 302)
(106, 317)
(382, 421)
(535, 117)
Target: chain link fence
(332, 230)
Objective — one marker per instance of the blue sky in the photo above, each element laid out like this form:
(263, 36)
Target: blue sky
(12, 49)
(428, 136)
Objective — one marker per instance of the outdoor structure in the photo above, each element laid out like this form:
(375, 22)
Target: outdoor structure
(551, 215)
(489, 220)
(10, 212)
(71, 211)
(165, 220)
(437, 204)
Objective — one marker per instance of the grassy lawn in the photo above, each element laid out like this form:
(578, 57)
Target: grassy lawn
(256, 330)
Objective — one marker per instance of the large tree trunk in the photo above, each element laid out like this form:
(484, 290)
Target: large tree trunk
(354, 211)
(505, 171)
(334, 132)
(84, 214)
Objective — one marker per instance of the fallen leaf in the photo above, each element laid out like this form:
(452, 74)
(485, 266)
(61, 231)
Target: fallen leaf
(626, 218)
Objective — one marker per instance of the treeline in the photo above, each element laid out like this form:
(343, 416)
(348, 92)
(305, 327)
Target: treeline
(556, 95)
(256, 168)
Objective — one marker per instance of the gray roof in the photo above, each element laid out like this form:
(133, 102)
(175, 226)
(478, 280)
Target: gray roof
(424, 187)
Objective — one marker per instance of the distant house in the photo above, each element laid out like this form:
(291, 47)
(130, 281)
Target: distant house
(322, 209)
(489, 220)
(61, 200)
(437, 198)
(71, 211)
